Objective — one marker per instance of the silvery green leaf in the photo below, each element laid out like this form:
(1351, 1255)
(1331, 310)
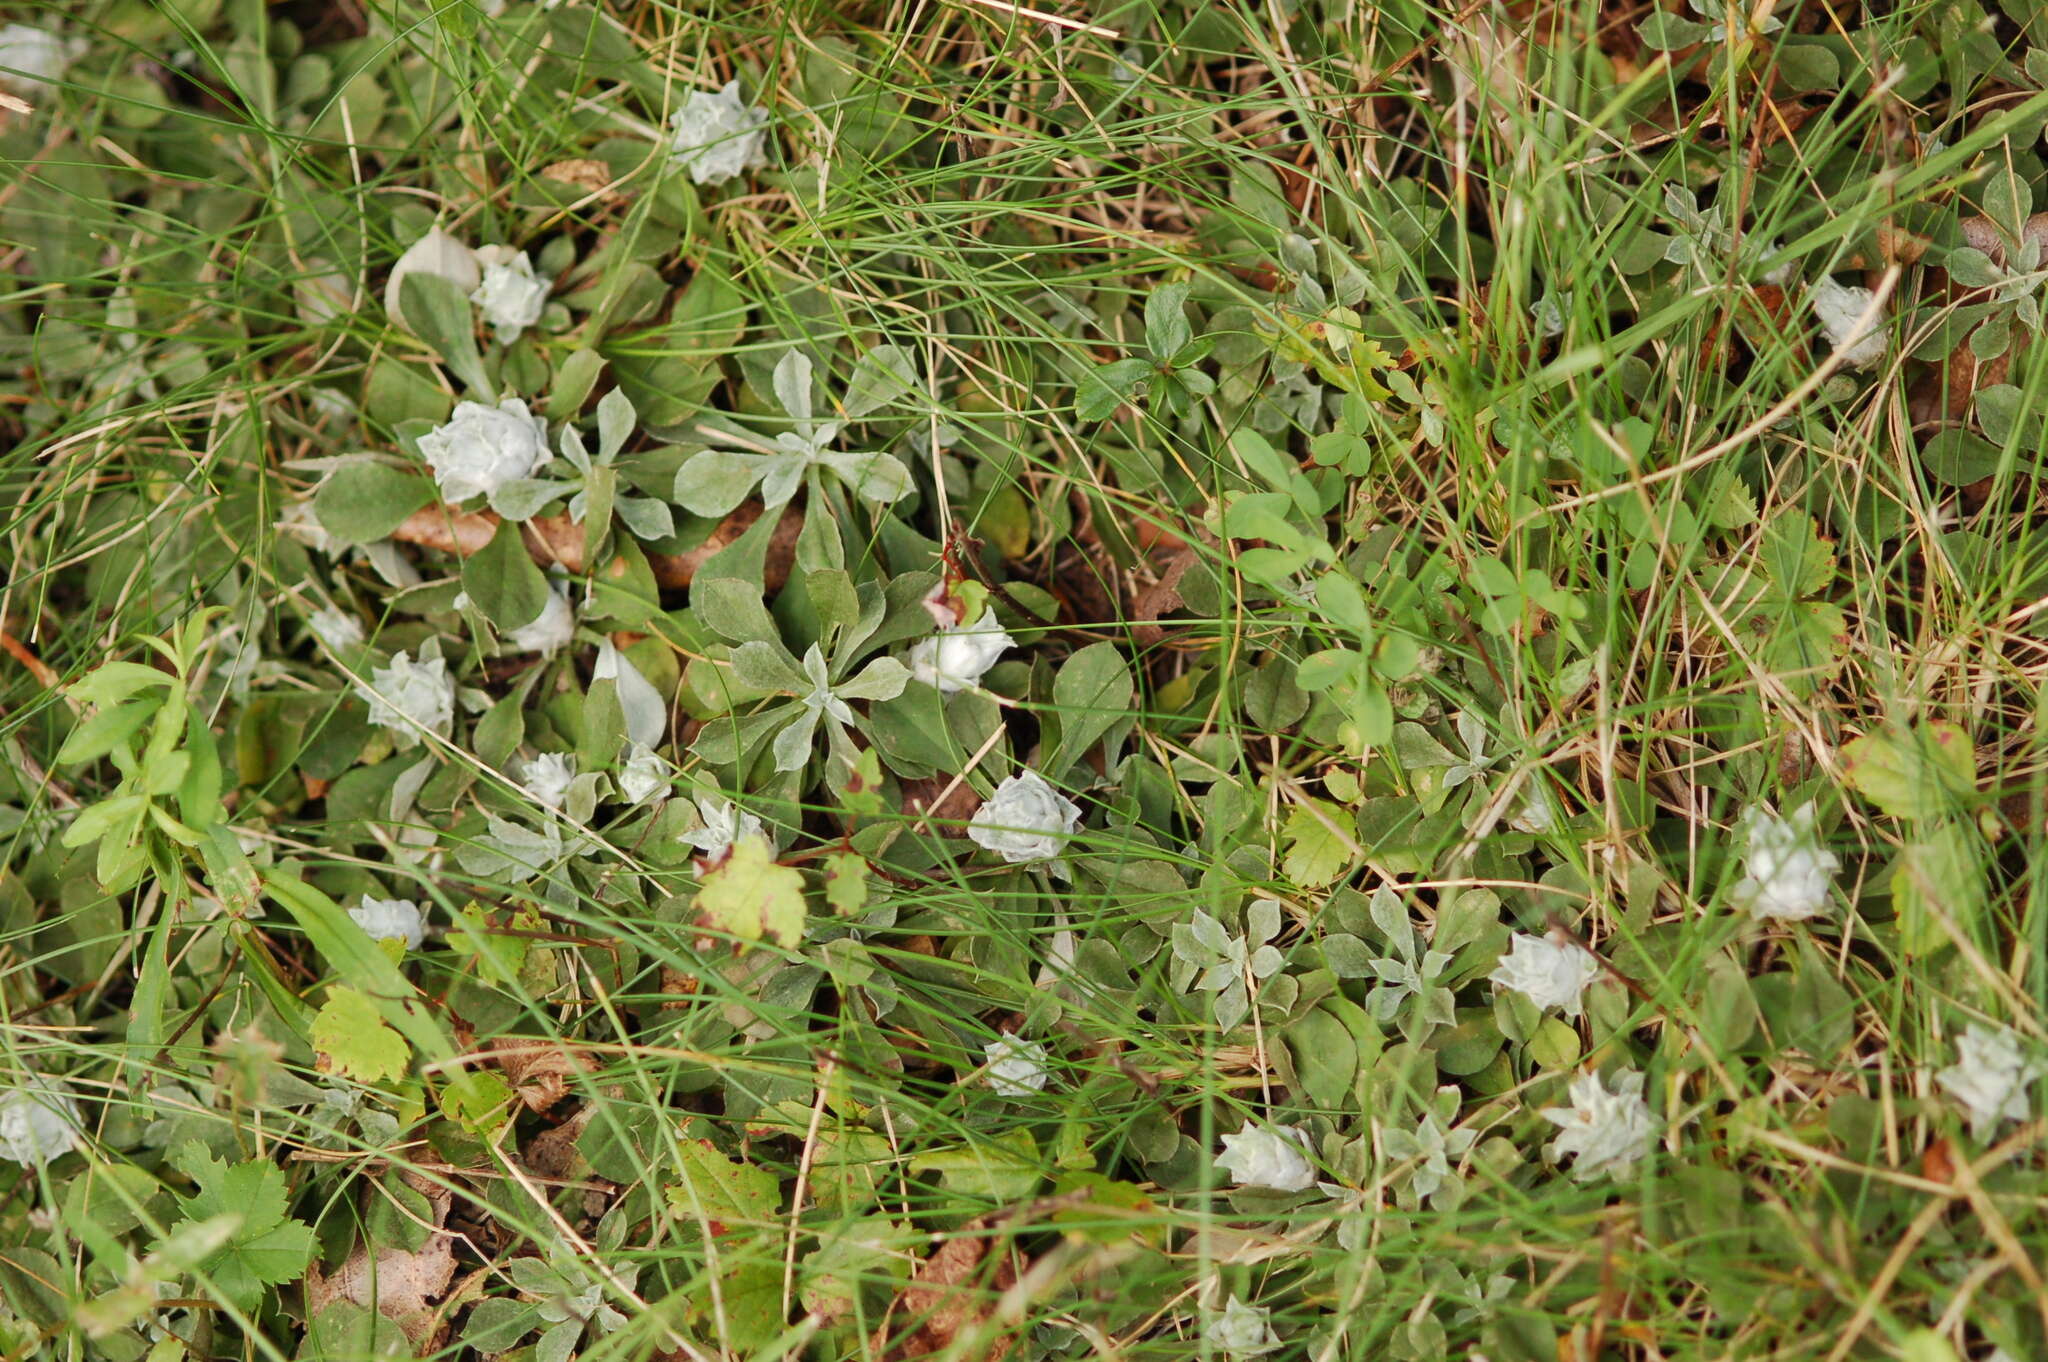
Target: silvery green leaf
(781, 475)
(641, 704)
(525, 498)
(646, 517)
(713, 481)
(792, 747)
(882, 679)
(1266, 962)
(883, 375)
(793, 384)
(1232, 1006)
(874, 477)
(1972, 268)
(438, 312)
(1298, 253)
(571, 444)
(1262, 920)
(615, 417)
(1210, 933)
(1389, 915)
(766, 667)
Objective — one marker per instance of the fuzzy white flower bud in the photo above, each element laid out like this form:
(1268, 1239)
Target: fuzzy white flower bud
(408, 696)
(550, 630)
(1839, 307)
(723, 824)
(1990, 1077)
(1786, 874)
(1025, 820)
(1547, 973)
(482, 448)
(391, 920)
(33, 57)
(1606, 1131)
(955, 659)
(1276, 1159)
(717, 136)
(1015, 1067)
(548, 777)
(1240, 1330)
(511, 297)
(335, 628)
(643, 775)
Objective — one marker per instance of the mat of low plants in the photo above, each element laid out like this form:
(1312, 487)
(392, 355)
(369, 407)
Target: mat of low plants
(1150, 679)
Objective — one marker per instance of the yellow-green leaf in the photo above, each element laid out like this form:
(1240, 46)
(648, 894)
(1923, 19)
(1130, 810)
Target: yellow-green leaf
(752, 897)
(350, 1031)
(1921, 772)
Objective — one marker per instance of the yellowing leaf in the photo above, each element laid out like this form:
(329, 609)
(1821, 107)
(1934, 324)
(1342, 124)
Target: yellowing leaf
(1317, 851)
(1922, 772)
(718, 1194)
(752, 897)
(846, 882)
(351, 1033)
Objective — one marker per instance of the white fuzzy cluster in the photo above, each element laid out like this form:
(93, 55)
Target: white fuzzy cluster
(1276, 1159)
(1607, 1130)
(547, 778)
(717, 136)
(511, 297)
(391, 920)
(723, 824)
(1015, 1067)
(1785, 873)
(643, 774)
(1990, 1077)
(955, 659)
(1240, 1330)
(1547, 973)
(1839, 307)
(408, 696)
(1025, 820)
(481, 448)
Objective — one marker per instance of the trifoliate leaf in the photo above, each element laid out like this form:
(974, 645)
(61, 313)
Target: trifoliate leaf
(351, 1033)
(752, 897)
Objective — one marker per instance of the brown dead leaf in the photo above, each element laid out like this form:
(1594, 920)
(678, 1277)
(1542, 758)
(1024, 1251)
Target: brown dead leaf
(950, 1294)
(1937, 1163)
(592, 177)
(553, 1152)
(538, 1070)
(1159, 600)
(403, 1287)
(557, 540)
(948, 802)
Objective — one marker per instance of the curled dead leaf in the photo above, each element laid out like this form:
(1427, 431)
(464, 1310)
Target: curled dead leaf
(1159, 600)
(592, 177)
(539, 1071)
